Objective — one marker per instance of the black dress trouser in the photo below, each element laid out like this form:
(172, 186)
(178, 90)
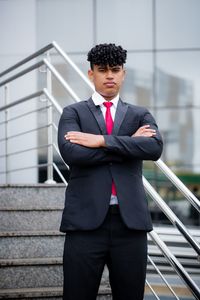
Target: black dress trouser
(124, 251)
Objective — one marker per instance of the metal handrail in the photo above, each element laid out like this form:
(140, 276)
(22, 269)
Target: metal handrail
(21, 100)
(170, 215)
(73, 65)
(178, 183)
(24, 114)
(21, 73)
(61, 80)
(176, 264)
(26, 168)
(163, 278)
(42, 51)
(27, 59)
(60, 174)
(26, 150)
(23, 133)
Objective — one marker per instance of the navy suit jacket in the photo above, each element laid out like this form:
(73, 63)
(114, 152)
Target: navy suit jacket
(88, 192)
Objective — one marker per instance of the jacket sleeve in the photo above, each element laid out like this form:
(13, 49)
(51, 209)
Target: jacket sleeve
(144, 148)
(74, 154)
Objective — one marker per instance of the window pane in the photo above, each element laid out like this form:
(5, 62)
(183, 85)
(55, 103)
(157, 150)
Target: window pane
(178, 23)
(64, 22)
(181, 138)
(177, 77)
(128, 23)
(137, 87)
(178, 94)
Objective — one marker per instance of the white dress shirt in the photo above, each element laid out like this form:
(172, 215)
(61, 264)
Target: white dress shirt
(98, 101)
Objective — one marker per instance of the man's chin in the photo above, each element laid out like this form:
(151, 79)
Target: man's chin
(108, 96)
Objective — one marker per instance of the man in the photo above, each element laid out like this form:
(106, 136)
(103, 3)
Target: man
(106, 217)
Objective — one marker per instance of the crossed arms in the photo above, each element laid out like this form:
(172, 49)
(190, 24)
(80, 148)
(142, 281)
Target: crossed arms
(81, 148)
(97, 141)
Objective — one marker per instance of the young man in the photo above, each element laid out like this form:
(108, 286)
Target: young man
(106, 217)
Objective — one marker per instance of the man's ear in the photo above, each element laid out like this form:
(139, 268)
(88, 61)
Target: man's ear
(90, 74)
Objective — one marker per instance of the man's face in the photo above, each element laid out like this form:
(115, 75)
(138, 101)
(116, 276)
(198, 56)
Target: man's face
(107, 80)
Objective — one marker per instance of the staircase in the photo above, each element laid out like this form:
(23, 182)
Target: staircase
(31, 245)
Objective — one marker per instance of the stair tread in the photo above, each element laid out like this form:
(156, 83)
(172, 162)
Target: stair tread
(30, 233)
(42, 291)
(34, 208)
(28, 292)
(30, 261)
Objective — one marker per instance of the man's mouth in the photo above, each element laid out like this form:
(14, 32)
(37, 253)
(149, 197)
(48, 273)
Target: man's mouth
(109, 84)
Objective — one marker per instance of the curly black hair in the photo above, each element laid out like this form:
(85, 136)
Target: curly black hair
(107, 54)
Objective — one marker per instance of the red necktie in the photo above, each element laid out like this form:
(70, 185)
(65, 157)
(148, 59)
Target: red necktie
(109, 127)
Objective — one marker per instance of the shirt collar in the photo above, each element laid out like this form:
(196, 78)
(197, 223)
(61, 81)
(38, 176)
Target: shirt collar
(98, 99)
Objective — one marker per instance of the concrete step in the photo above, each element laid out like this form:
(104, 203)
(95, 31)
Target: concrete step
(29, 277)
(31, 274)
(46, 293)
(38, 196)
(31, 244)
(34, 273)
(31, 207)
(55, 293)
(24, 220)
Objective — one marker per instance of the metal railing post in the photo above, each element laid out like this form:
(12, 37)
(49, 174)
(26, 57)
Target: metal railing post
(7, 96)
(50, 179)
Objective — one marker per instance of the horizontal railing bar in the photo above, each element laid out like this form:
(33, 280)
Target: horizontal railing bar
(163, 278)
(21, 73)
(175, 264)
(25, 114)
(178, 183)
(25, 168)
(53, 100)
(21, 100)
(60, 174)
(73, 65)
(170, 215)
(24, 132)
(61, 80)
(25, 150)
(30, 57)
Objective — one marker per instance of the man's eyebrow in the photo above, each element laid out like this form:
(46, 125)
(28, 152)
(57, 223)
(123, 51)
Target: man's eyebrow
(102, 67)
(115, 67)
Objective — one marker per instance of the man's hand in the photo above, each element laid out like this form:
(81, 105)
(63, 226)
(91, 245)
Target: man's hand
(145, 131)
(85, 139)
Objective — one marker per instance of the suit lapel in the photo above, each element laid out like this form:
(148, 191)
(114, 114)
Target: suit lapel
(119, 116)
(96, 110)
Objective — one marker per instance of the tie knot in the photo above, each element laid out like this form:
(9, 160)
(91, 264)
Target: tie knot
(107, 104)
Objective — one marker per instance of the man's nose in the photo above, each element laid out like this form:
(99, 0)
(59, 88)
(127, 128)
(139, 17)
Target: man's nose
(109, 74)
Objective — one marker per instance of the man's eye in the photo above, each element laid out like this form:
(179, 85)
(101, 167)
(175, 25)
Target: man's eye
(115, 70)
